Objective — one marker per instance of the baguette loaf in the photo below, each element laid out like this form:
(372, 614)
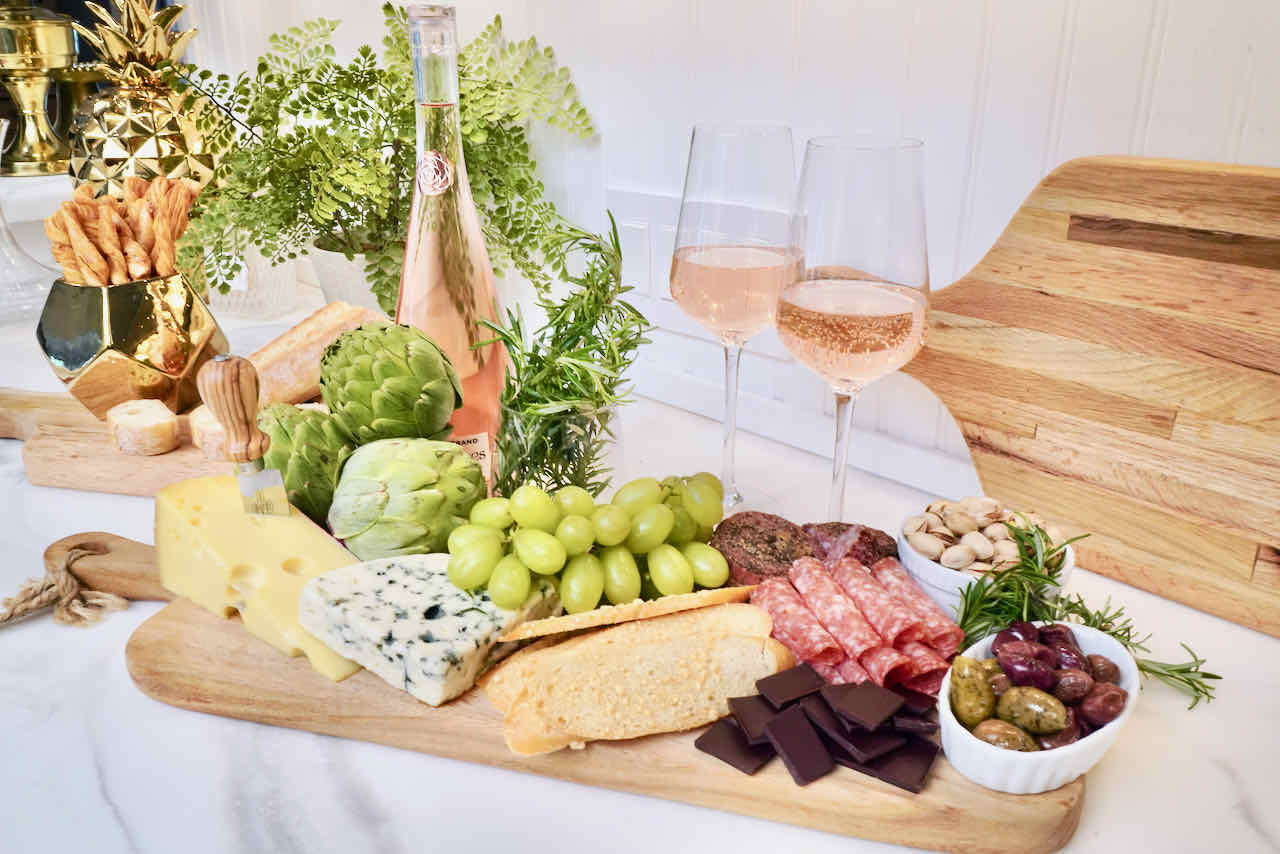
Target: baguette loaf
(666, 674)
(289, 367)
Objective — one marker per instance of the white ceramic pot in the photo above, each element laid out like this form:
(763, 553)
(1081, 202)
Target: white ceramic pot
(1021, 773)
(945, 586)
(269, 291)
(341, 279)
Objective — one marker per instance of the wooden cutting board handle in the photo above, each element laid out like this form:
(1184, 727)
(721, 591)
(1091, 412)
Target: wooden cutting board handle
(126, 568)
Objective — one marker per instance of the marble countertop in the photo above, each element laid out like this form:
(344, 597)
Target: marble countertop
(90, 764)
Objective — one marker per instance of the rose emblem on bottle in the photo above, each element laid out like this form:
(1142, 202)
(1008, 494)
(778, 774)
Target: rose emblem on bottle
(435, 173)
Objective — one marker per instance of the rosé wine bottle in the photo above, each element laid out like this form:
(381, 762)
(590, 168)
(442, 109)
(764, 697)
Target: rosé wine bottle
(447, 287)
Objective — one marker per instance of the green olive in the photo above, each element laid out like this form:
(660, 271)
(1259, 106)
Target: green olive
(1036, 711)
(990, 666)
(971, 697)
(1004, 734)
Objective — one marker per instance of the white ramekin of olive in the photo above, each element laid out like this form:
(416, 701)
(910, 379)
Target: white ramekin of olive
(953, 542)
(1015, 758)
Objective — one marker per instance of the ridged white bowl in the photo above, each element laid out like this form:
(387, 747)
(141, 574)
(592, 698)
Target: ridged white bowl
(1021, 773)
(944, 585)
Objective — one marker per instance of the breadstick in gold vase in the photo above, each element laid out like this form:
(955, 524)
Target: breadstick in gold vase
(92, 265)
(109, 245)
(164, 253)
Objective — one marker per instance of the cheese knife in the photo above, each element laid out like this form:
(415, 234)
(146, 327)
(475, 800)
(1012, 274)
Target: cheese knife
(229, 387)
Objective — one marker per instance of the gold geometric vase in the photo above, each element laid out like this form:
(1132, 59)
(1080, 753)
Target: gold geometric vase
(143, 339)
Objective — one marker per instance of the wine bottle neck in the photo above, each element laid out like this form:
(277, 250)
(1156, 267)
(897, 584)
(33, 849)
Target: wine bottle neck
(433, 36)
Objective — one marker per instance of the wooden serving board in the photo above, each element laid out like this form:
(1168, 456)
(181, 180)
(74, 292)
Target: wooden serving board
(1114, 364)
(67, 447)
(190, 658)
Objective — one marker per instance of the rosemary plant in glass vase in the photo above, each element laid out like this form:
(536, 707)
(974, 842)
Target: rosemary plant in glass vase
(323, 155)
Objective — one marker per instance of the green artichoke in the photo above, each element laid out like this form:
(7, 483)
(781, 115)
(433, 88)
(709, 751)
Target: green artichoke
(404, 496)
(383, 381)
(308, 448)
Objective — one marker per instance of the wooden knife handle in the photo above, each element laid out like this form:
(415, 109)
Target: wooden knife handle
(229, 387)
(124, 567)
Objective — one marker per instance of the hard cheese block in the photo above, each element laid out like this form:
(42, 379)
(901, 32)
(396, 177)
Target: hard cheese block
(229, 561)
(404, 620)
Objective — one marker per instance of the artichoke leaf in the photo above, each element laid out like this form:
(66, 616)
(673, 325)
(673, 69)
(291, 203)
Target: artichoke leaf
(357, 507)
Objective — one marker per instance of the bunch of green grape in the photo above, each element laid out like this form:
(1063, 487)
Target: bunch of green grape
(649, 541)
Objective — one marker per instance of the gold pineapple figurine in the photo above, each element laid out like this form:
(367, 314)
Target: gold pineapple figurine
(136, 126)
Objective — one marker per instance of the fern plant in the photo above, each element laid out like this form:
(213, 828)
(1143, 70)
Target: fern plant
(324, 153)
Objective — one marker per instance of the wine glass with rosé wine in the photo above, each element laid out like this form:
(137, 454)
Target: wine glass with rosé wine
(733, 252)
(856, 311)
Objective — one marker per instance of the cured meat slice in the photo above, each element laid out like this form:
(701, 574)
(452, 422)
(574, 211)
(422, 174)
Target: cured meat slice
(833, 607)
(885, 665)
(834, 540)
(759, 545)
(852, 672)
(794, 624)
(923, 659)
(941, 632)
(929, 683)
(829, 672)
(895, 622)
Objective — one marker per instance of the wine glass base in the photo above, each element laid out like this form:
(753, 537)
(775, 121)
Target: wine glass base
(732, 499)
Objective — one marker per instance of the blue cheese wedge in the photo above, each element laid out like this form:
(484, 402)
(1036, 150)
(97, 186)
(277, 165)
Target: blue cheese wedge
(404, 620)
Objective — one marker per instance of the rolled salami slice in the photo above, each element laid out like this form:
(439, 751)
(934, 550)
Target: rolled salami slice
(833, 607)
(829, 672)
(894, 621)
(885, 665)
(923, 659)
(930, 683)
(794, 624)
(941, 632)
(852, 672)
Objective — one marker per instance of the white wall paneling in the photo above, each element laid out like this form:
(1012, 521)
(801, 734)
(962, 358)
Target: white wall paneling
(1001, 91)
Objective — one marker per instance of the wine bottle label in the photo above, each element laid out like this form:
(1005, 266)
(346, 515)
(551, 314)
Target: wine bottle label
(435, 173)
(479, 448)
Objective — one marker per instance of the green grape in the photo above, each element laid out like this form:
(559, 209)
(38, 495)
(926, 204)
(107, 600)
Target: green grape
(684, 528)
(539, 551)
(470, 568)
(704, 533)
(712, 481)
(621, 575)
(638, 494)
(533, 508)
(710, 569)
(582, 584)
(492, 513)
(612, 524)
(510, 583)
(703, 502)
(465, 535)
(670, 571)
(650, 527)
(576, 533)
(575, 501)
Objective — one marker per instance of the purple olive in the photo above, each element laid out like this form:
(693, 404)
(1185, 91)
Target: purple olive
(1019, 631)
(1025, 670)
(1056, 634)
(1067, 736)
(1070, 657)
(1104, 703)
(1073, 685)
(1030, 649)
(1104, 669)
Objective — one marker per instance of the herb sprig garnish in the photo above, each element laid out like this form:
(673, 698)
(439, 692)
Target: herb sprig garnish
(1030, 589)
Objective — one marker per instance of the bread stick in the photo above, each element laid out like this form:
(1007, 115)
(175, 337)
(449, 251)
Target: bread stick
(92, 265)
(163, 253)
(136, 258)
(109, 245)
(134, 188)
(83, 193)
(145, 230)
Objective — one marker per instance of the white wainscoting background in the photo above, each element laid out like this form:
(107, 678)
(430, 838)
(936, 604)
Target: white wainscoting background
(1002, 91)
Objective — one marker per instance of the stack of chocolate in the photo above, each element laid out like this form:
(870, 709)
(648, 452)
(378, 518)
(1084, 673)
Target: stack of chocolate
(814, 726)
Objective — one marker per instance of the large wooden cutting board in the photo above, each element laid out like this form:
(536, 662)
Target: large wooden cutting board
(190, 658)
(1114, 364)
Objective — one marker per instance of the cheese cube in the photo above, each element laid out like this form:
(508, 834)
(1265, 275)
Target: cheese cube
(229, 561)
(142, 427)
(401, 618)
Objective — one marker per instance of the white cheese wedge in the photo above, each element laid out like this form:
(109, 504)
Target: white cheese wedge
(401, 618)
(228, 561)
(142, 427)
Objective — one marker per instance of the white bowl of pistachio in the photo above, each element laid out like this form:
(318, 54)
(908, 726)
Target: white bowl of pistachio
(952, 543)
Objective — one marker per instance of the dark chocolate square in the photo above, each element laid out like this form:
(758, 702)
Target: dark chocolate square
(725, 741)
(861, 744)
(913, 724)
(797, 742)
(866, 704)
(915, 702)
(752, 713)
(790, 685)
(907, 767)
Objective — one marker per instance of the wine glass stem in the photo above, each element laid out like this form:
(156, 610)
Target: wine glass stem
(840, 459)
(732, 356)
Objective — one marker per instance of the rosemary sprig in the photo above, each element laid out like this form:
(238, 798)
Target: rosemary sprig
(1030, 589)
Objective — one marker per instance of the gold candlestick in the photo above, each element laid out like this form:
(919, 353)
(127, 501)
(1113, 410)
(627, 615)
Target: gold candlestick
(33, 43)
